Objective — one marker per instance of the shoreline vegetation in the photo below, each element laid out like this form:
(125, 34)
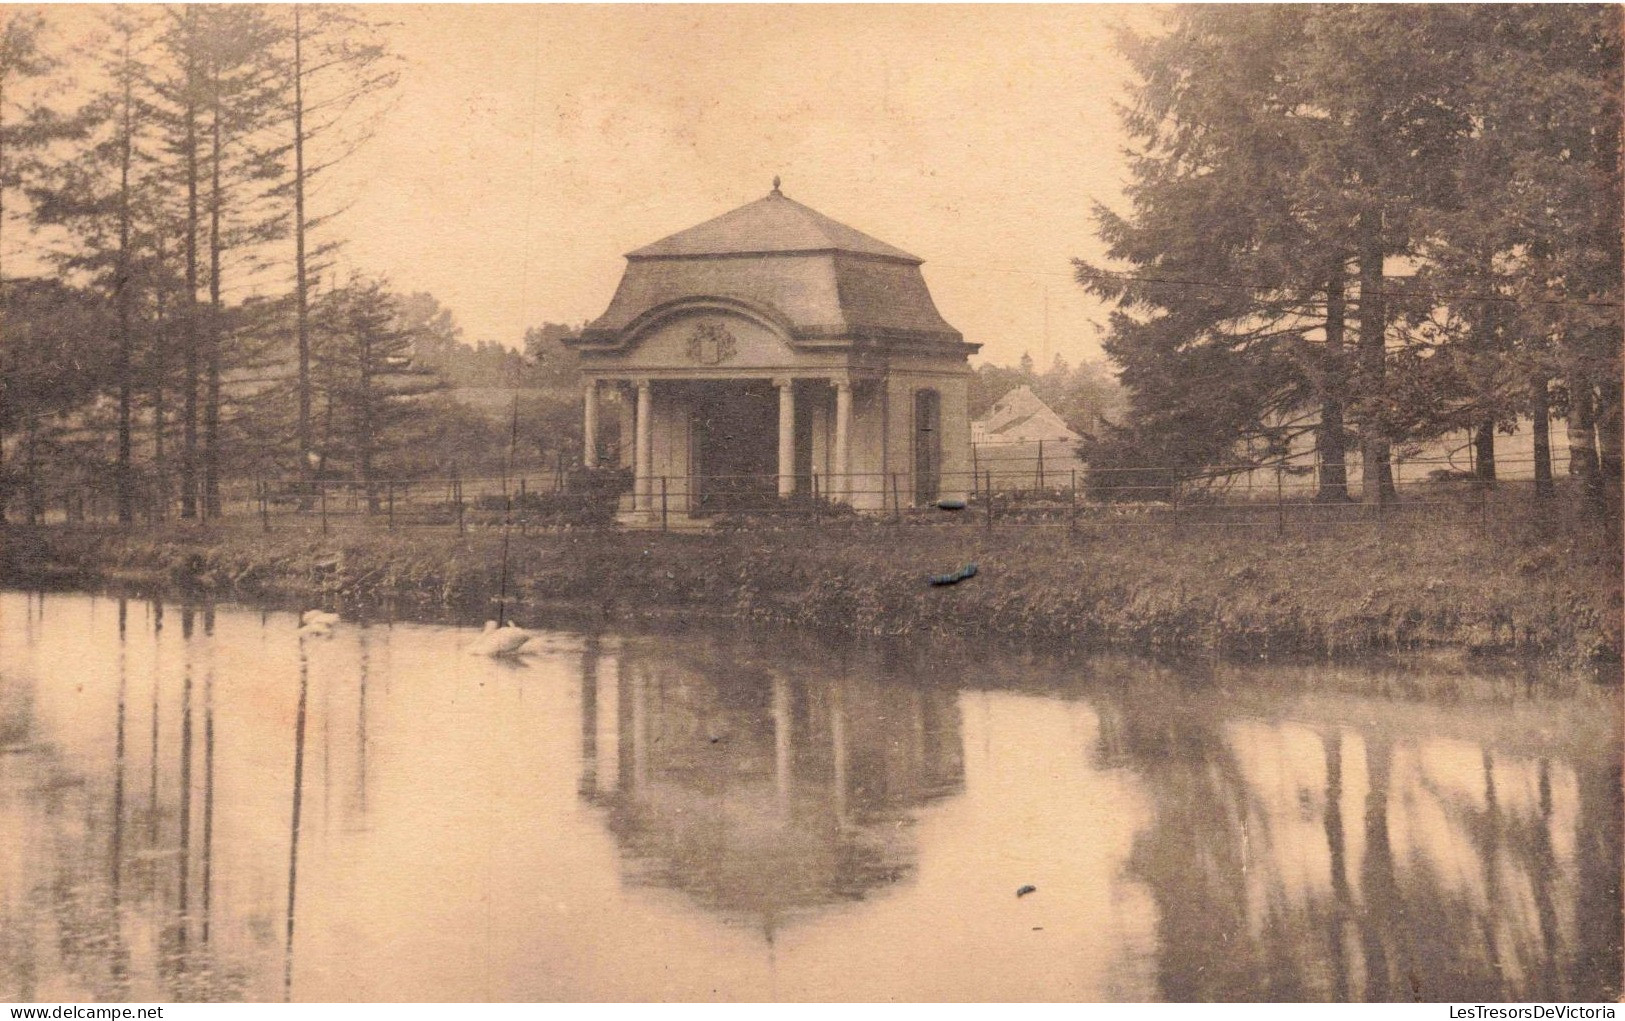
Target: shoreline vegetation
(1531, 590)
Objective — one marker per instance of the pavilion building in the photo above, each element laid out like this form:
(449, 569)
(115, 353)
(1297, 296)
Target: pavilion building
(772, 354)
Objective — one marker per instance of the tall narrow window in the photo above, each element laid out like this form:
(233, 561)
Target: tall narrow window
(927, 446)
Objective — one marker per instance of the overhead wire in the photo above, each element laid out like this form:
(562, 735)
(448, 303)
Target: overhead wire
(1246, 286)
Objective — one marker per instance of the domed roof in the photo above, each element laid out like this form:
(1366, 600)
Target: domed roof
(822, 279)
(772, 225)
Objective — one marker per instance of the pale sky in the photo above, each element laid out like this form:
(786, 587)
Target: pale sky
(531, 147)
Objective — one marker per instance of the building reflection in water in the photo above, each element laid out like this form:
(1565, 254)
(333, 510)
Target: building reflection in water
(1197, 832)
(762, 790)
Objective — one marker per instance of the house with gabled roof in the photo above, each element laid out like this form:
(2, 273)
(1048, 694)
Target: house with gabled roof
(1020, 416)
(1022, 442)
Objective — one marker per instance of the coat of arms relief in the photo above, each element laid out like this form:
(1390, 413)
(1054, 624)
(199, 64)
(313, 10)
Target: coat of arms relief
(711, 344)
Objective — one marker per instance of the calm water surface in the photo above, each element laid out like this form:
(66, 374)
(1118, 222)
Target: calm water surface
(197, 804)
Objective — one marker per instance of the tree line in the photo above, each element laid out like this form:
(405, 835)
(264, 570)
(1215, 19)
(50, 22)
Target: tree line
(175, 317)
(1360, 227)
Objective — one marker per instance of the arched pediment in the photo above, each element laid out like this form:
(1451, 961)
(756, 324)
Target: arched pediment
(701, 305)
(703, 333)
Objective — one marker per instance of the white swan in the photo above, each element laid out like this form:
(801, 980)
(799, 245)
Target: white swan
(499, 641)
(316, 629)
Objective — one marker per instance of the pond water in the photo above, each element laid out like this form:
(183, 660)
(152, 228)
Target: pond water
(196, 803)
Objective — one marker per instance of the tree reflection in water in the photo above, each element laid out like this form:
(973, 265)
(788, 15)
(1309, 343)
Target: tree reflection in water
(1196, 831)
(1301, 853)
(142, 902)
(762, 789)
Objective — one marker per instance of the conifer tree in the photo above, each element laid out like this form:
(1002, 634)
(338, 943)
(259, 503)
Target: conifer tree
(1293, 163)
(178, 86)
(1222, 323)
(96, 191)
(242, 92)
(370, 385)
(27, 125)
(338, 74)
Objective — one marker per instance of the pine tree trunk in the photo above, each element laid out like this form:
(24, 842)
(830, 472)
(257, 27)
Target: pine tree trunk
(211, 412)
(125, 480)
(301, 286)
(160, 379)
(1376, 477)
(5, 488)
(1540, 411)
(189, 385)
(1484, 450)
(1485, 329)
(124, 473)
(364, 423)
(1334, 473)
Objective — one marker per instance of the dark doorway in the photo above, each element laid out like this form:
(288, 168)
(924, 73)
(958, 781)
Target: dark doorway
(927, 447)
(736, 446)
(806, 398)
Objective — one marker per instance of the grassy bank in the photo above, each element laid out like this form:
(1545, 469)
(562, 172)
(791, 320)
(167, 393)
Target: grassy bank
(1522, 588)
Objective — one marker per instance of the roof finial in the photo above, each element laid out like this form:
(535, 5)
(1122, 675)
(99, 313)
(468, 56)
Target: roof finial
(776, 186)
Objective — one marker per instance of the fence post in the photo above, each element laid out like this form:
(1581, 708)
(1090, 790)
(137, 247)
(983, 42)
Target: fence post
(322, 484)
(1072, 517)
(990, 499)
(1040, 464)
(265, 506)
(662, 503)
(462, 524)
(1280, 504)
(896, 502)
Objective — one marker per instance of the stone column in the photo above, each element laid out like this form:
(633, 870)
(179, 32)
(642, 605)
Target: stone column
(640, 731)
(843, 446)
(642, 487)
(589, 718)
(589, 425)
(787, 437)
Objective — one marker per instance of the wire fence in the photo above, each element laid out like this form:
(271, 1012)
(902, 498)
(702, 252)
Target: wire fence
(1013, 492)
(291, 500)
